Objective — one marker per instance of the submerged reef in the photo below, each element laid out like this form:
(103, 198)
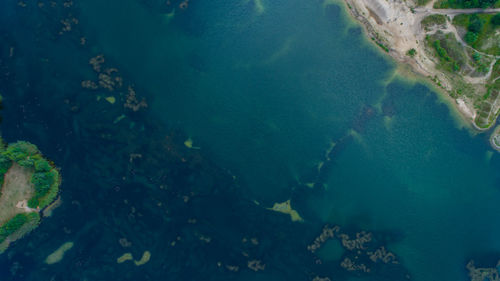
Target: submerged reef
(136, 174)
(362, 251)
(483, 273)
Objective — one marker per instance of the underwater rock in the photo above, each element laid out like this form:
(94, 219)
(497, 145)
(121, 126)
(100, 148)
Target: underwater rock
(58, 254)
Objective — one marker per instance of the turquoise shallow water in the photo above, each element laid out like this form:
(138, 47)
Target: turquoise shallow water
(272, 89)
(266, 92)
(263, 89)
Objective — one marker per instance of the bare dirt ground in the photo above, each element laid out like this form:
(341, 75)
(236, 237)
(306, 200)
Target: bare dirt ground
(16, 190)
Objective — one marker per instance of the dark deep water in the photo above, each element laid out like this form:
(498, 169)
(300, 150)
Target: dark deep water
(263, 89)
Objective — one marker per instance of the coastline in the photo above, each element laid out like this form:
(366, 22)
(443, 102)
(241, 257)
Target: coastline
(495, 138)
(412, 69)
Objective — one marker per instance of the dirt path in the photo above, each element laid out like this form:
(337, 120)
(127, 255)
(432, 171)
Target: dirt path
(453, 12)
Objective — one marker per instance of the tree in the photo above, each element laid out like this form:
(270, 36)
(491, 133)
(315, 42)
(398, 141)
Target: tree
(475, 24)
(470, 37)
(496, 19)
(411, 52)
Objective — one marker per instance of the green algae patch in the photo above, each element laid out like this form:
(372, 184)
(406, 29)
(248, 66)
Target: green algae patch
(146, 256)
(144, 259)
(125, 257)
(286, 208)
(58, 254)
(111, 99)
(189, 144)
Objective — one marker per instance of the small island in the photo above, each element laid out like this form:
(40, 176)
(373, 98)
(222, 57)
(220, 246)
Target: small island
(28, 184)
(453, 43)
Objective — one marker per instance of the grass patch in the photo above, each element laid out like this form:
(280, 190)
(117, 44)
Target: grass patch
(495, 73)
(422, 2)
(450, 53)
(432, 20)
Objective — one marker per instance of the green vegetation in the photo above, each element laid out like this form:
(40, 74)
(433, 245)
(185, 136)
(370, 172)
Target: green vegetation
(18, 162)
(480, 63)
(422, 2)
(45, 181)
(432, 20)
(495, 20)
(46, 187)
(17, 223)
(450, 53)
(466, 4)
(485, 117)
(411, 52)
(5, 164)
(45, 178)
(481, 31)
(381, 45)
(496, 70)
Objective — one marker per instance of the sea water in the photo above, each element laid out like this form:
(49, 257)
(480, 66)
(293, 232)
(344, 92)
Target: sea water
(265, 88)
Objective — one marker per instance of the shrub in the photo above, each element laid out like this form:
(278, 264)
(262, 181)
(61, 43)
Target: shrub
(441, 51)
(12, 226)
(411, 52)
(46, 186)
(42, 165)
(495, 20)
(467, 3)
(20, 150)
(470, 37)
(475, 24)
(476, 56)
(42, 182)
